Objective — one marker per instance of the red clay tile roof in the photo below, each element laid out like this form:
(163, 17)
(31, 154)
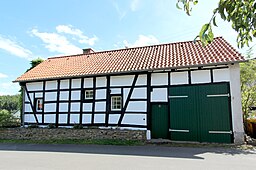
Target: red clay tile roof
(163, 56)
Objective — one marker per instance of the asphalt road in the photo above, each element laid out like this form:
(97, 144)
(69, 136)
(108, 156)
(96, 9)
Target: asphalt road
(89, 157)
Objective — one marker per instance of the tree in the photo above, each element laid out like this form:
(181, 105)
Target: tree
(241, 13)
(248, 83)
(7, 119)
(9, 103)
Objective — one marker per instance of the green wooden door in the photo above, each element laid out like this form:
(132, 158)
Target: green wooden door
(183, 113)
(200, 113)
(215, 123)
(159, 120)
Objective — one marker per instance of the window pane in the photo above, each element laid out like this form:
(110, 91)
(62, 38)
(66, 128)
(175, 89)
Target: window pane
(116, 102)
(88, 94)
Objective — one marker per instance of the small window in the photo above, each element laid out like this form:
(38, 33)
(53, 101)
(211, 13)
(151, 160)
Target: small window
(116, 103)
(88, 94)
(39, 105)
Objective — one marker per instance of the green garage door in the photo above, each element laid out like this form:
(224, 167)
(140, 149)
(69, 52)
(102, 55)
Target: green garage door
(159, 119)
(200, 113)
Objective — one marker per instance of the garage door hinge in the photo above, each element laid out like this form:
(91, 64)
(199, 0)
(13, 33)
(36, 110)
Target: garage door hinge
(220, 132)
(175, 97)
(178, 130)
(218, 95)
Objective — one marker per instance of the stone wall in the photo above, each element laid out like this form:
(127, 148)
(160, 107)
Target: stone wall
(65, 133)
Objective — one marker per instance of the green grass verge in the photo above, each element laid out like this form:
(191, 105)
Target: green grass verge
(77, 141)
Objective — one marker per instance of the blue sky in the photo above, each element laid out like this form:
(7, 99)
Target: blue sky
(31, 29)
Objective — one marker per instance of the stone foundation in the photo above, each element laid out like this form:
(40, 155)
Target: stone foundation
(64, 133)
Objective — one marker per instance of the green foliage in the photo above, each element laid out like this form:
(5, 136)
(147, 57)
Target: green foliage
(51, 126)
(241, 13)
(35, 62)
(7, 119)
(248, 83)
(33, 126)
(9, 103)
(78, 126)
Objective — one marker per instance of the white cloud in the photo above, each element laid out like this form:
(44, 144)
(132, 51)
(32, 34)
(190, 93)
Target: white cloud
(134, 5)
(121, 12)
(3, 75)
(9, 88)
(56, 43)
(142, 41)
(69, 29)
(15, 48)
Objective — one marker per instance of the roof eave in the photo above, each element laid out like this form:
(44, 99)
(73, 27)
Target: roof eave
(125, 72)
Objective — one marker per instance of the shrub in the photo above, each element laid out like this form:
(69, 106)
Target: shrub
(33, 126)
(8, 120)
(51, 126)
(78, 126)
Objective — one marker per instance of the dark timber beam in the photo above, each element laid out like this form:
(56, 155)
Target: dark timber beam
(31, 105)
(128, 99)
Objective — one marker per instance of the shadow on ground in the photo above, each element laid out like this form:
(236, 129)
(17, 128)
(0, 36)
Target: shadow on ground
(148, 150)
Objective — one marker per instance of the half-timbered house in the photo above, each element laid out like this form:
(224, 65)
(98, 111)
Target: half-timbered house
(181, 91)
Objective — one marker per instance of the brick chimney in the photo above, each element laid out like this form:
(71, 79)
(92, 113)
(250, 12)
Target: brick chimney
(88, 51)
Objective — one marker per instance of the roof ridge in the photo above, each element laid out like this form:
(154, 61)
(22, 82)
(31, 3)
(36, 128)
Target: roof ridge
(132, 48)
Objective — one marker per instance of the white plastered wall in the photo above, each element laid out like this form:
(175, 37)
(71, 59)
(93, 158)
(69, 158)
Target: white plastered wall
(236, 107)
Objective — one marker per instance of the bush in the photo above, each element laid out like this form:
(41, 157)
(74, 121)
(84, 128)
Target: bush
(33, 126)
(8, 120)
(78, 126)
(51, 126)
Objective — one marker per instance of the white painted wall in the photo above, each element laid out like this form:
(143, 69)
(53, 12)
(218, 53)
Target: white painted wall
(49, 118)
(63, 107)
(63, 118)
(142, 80)
(28, 108)
(201, 76)
(74, 118)
(64, 95)
(101, 82)
(139, 93)
(99, 118)
(30, 118)
(100, 106)
(50, 96)
(87, 107)
(159, 95)
(75, 95)
(178, 78)
(135, 119)
(87, 118)
(101, 94)
(88, 82)
(76, 83)
(51, 85)
(113, 118)
(35, 86)
(64, 84)
(138, 106)
(221, 75)
(121, 80)
(159, 79)
(50, 107)
(75, 107)
(236, 107)
(39, 95)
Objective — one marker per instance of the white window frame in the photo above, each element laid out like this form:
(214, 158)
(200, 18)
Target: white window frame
(37, 105)
(88, 94)
(114, 103)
